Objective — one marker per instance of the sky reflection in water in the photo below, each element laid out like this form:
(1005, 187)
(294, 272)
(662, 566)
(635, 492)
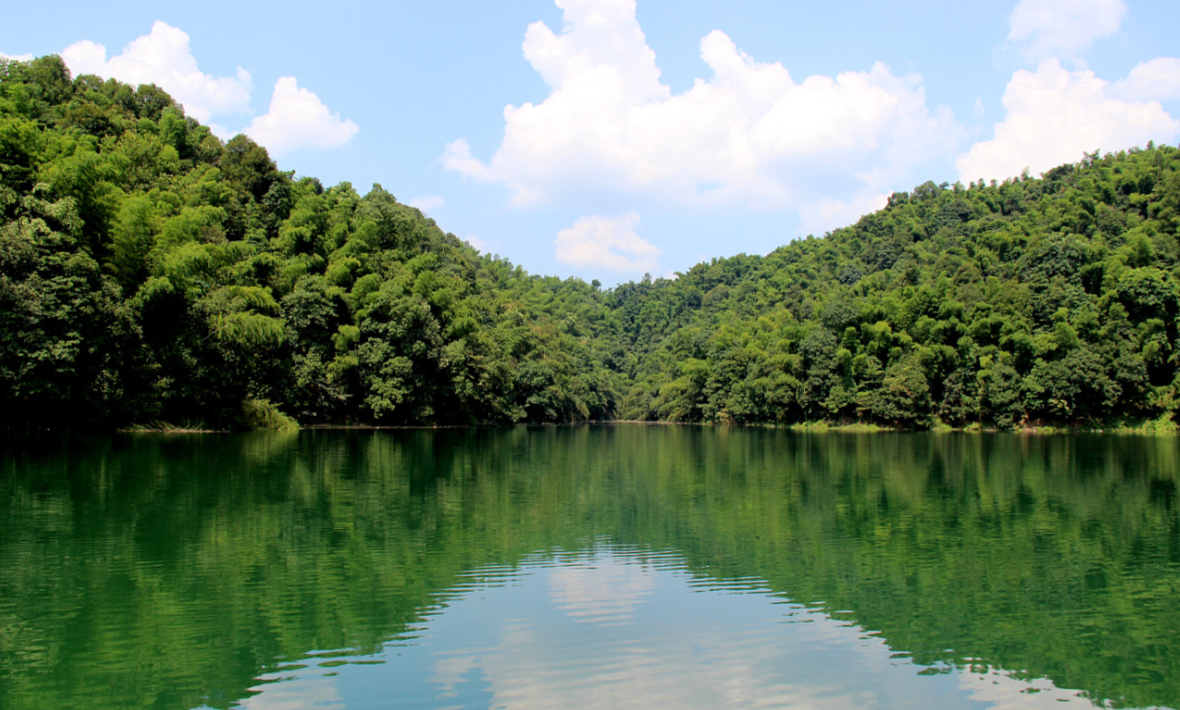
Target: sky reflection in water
(583, 567)
(617, 628)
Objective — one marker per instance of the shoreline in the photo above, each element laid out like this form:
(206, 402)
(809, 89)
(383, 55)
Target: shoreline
(1162, 426)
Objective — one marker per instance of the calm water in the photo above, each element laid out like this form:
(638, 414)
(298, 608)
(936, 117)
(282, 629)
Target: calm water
(590, 567)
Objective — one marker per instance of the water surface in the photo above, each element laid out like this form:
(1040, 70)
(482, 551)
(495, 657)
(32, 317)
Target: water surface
(590, 567)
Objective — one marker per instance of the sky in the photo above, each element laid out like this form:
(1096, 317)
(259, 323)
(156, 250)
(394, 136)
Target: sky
(606, 139)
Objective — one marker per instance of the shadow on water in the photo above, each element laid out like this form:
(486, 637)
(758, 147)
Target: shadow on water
(173, 571)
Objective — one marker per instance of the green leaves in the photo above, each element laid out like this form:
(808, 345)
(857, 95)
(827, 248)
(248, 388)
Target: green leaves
(1036, 301)
(248, 330)
(222, 280)
(65, 336)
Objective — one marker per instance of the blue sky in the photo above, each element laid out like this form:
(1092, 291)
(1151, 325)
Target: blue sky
(645, 135)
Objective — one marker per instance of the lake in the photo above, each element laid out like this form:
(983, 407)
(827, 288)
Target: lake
(613, 566)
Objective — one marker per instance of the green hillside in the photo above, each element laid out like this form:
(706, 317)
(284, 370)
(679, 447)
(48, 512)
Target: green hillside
(1050, 300)
(150, 272)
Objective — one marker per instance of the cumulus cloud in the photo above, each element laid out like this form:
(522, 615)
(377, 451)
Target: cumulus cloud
(298, 119)
(750, 135)
(428, 203)
(17, 57)
(163, 58)
(1054, 115)
(1063, 28)
(824, 213)
(609, 243)
(1158, 79)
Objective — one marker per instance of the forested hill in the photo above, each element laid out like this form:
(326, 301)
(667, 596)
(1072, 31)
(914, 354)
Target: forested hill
(150, 272)
(1048, 300)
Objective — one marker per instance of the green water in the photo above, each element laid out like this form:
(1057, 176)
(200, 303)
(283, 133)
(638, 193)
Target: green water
(590, 567)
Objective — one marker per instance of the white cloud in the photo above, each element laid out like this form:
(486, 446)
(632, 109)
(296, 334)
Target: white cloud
(1158, 79)
(298, 119)
(220, 131)
(609, 243)
(824, 213)
(751, 135)
(476, 243)
(1054, 115)
(428, 203)
(1063, 28)
(17, 57)
(163, 58)
(457, 156)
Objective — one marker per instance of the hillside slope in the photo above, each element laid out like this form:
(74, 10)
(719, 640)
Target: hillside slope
(1050, 300)
(151, 272)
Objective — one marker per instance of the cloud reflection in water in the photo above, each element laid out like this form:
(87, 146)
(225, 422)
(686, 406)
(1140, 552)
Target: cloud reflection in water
(620, 629)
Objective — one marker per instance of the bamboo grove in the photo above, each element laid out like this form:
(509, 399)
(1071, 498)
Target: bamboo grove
(151, 272)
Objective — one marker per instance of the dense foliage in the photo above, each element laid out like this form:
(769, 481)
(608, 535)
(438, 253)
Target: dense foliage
(1051, 300)
(151, 272)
